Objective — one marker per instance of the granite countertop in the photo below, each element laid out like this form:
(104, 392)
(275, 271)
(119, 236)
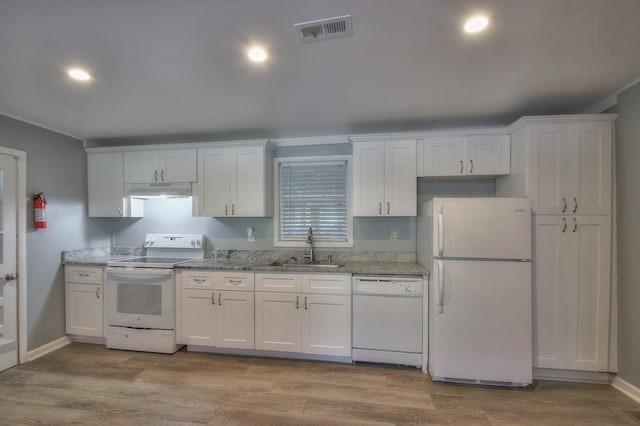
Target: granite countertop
(361, 267)
(96, 260)
(364, 267)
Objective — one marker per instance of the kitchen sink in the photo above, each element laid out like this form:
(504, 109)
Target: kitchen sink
(319, 265)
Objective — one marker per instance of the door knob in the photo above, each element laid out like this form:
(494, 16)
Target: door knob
(9, 277)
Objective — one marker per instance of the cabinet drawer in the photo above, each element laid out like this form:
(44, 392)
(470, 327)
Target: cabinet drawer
(239, 281)
(218, 280)
(290, 283)
(84, 275)
(326, 284)
(200, 280)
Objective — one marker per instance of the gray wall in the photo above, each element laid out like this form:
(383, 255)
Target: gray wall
(628, 197)
(56, 165)
(369, 233)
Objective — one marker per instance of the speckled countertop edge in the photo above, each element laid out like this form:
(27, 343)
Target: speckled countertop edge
(362, 268)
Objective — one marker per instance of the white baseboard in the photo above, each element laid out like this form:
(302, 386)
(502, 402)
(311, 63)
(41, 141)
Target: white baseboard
(49, 347)
(571, 375)
(626, 388)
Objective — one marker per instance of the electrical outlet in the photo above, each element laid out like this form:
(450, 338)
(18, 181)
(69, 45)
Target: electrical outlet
(394, 234)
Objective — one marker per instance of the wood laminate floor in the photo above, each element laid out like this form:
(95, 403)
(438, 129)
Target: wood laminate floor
(91, 385)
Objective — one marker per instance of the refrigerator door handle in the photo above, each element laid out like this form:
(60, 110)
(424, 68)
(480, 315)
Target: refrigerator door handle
(440, 231)
(440, 286)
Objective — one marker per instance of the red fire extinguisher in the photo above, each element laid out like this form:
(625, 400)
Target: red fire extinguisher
(39, 217)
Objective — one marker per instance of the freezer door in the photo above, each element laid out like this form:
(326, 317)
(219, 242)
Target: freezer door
(482, 331)
(485, 228)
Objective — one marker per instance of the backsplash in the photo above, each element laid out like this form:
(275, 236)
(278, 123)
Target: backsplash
(251, 256)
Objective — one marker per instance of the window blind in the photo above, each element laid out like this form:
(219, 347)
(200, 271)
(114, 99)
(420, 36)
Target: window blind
(313, 195)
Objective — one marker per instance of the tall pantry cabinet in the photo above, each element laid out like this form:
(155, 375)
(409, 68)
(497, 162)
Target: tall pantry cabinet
(564, 165)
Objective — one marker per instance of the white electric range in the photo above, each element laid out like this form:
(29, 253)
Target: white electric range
(140, 293)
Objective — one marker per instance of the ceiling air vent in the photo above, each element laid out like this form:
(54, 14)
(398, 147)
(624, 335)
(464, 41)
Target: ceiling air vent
(324, 29)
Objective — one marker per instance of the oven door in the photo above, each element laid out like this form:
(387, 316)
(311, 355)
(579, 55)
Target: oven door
(140, 298)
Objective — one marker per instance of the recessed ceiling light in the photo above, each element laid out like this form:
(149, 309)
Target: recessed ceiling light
(257, 54)
(476, 24)
(79, 74)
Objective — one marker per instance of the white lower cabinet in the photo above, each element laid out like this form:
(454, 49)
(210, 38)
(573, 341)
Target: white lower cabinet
(211, 315)
(572, 292)
(291, 317)
(84, 301)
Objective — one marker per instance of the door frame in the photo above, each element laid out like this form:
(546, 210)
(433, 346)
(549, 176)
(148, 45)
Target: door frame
(21, 246)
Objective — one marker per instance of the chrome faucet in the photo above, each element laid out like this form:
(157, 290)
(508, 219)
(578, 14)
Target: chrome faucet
(308, 256)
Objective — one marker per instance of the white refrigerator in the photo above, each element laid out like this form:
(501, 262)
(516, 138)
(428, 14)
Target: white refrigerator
(479, 253)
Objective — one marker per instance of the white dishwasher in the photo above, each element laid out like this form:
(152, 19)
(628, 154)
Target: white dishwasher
(387, 319)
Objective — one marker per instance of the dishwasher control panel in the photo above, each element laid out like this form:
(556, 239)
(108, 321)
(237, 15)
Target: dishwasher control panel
(393, 286)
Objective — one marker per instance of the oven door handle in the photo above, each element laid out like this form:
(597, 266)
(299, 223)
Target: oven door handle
(139, 271)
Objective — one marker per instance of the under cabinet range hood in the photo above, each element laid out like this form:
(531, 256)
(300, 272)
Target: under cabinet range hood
(158, 190)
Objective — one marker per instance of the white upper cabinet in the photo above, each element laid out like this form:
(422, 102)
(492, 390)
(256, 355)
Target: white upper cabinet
(177, 165)
(460, 155)
(106, 187)
(235, 181)
(564, 164)
(384, 178)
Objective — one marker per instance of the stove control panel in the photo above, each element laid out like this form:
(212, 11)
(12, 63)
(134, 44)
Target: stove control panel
(174, 241)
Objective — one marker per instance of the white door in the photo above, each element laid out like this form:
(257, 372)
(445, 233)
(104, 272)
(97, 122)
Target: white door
(443, 156)
(8, 264)
(178, 165)
(141, 167)
(326, 324)
(589, 292)
(84, 309)
(235, 320)
(368, 178)
(400, 188)
(488, 155)
(485, 228)
(592, 149)
(198, 322)
(212, 193)
(278, 321)
(247, 196)
(550, 275)
(483, 330)
(552, 168)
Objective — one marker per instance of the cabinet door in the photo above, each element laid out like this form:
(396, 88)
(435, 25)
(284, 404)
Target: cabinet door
(591, 148)
(368, 178)
(141, 167)
(105, 184)
(326, 324)
(178, 165)
(488, 155)
(247, 182)
(198, 319)
(212, 189)
(551, 167)
(550, 300)
(443, 156)
(278, 322)
(589, 293)
(400, 187)
(84, 309)
(235, 319)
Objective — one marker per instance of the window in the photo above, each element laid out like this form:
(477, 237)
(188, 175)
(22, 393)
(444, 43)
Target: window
(313, 192)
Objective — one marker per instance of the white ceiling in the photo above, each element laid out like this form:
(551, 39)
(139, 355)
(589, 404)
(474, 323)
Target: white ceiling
(177, 67)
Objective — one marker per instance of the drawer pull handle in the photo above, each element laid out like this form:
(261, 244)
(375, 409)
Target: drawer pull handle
(199, 280)
(297, 302)
(305, 303)
(235, 281)
(83, 274)
(98, 293)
